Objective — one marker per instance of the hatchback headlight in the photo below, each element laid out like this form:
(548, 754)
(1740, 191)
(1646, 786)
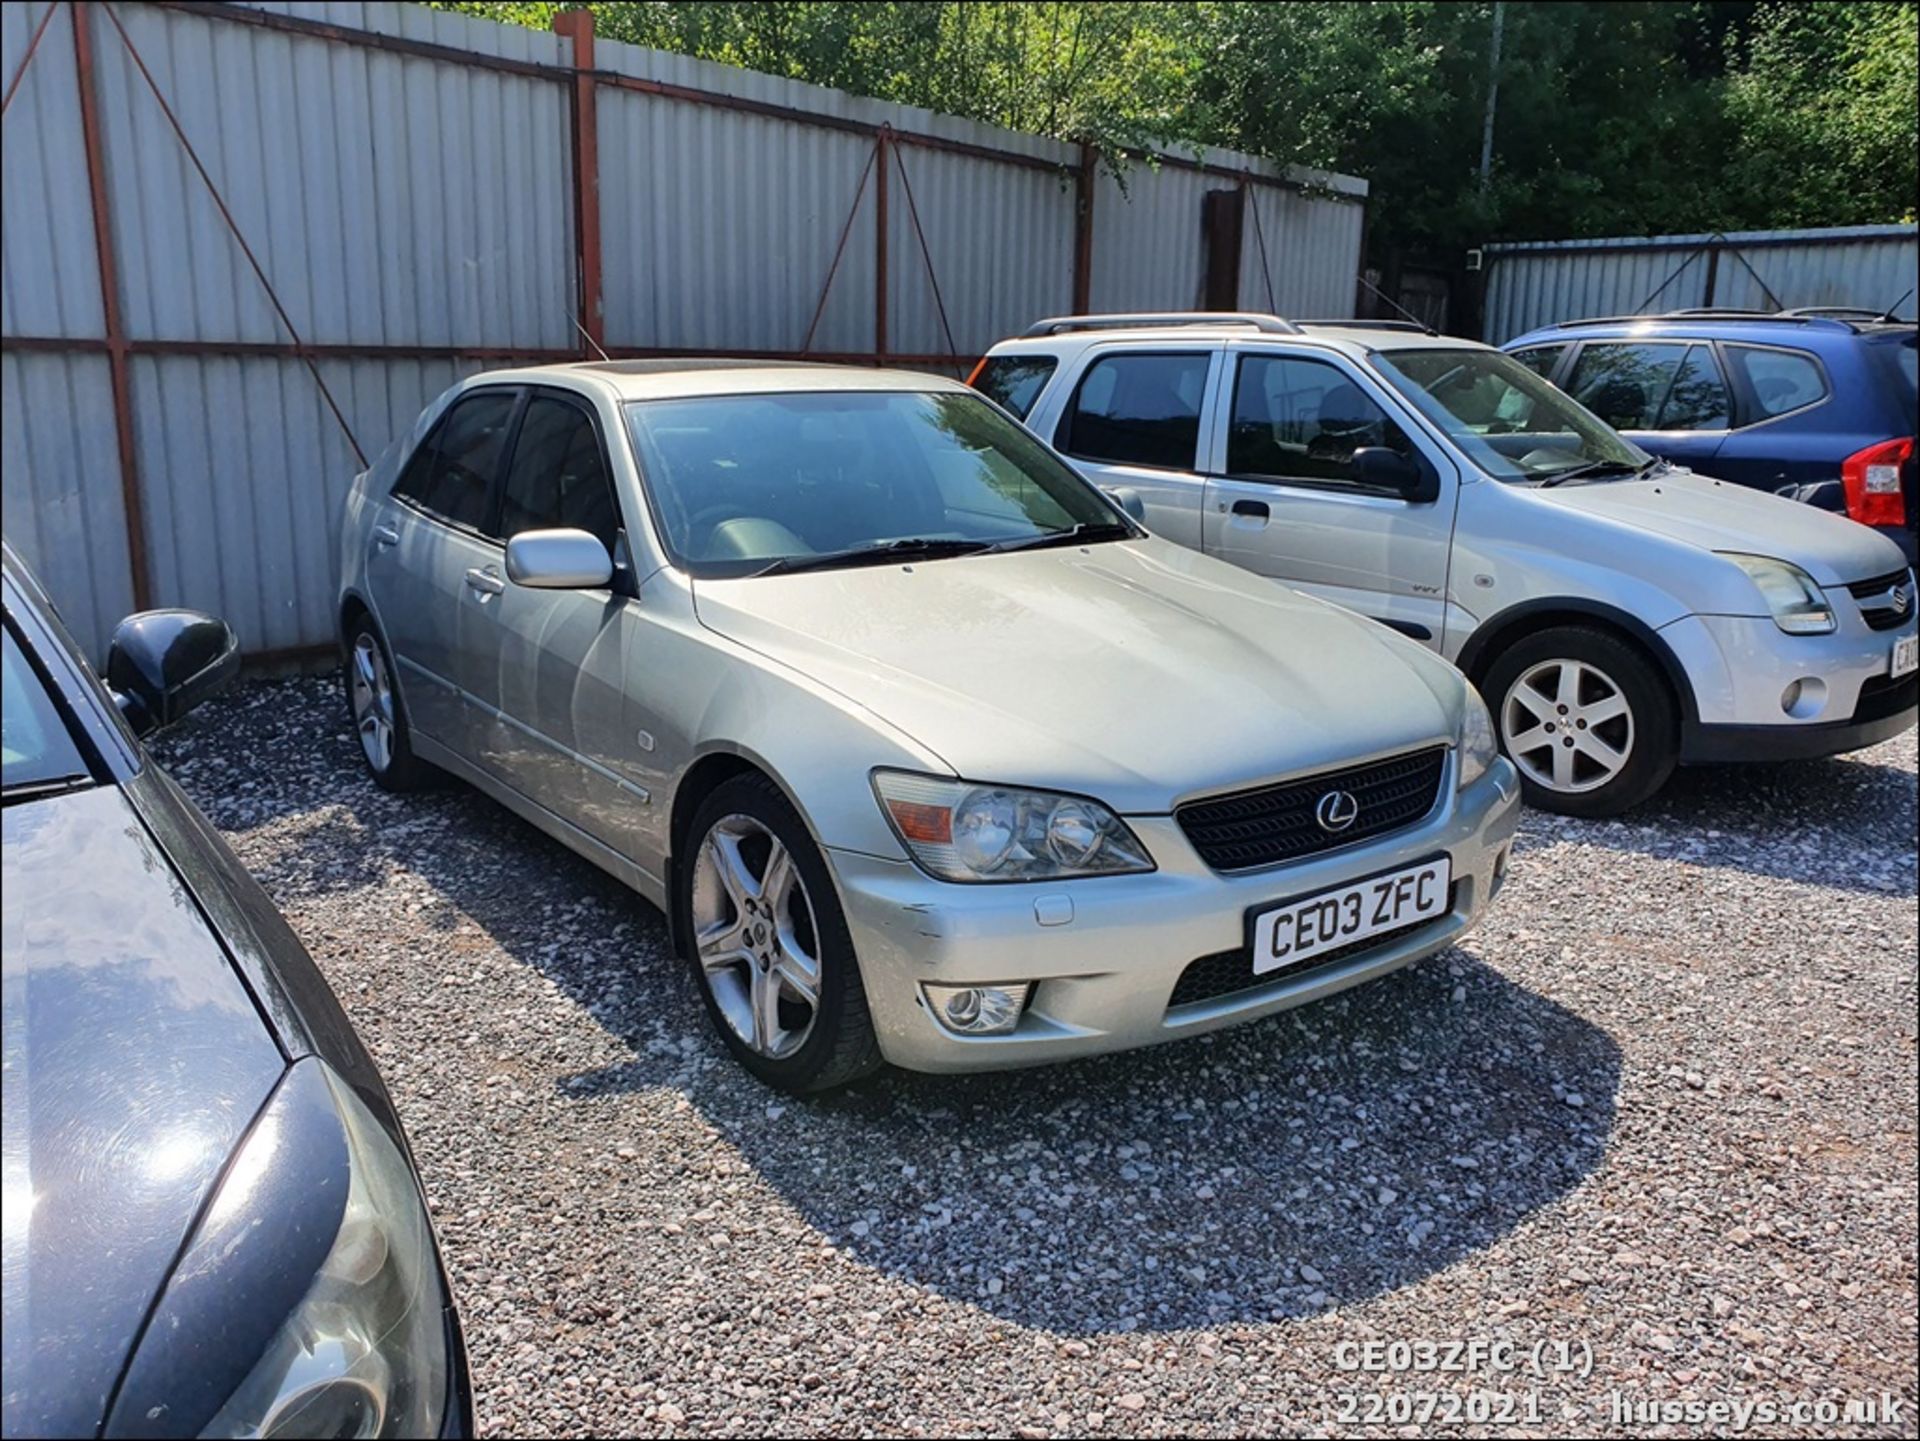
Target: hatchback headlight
(1798, 604)
(960, 831)
(1478, 744)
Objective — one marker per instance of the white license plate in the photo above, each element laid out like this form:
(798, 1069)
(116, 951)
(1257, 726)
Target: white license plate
(1299, 930)
(1906, 656)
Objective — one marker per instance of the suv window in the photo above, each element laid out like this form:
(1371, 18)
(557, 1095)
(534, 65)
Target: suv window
(1302, 419)
(1697, 399)
(1778, 380)
(1540, 359)
(452, 473)
(1014, 381)
(558, 474)
(1138, 410)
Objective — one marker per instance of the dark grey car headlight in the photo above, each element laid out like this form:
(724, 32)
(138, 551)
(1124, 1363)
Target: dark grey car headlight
(309, 1302)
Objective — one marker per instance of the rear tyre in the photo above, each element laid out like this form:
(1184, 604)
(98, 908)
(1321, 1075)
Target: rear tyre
(380, 716)
(1586, 718)
(768, 942)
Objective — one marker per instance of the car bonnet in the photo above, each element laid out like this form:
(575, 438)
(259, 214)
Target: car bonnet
(135, 1059)
(1139, 672)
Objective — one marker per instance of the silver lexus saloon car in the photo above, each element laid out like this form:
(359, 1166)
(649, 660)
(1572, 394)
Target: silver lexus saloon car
(930, 753)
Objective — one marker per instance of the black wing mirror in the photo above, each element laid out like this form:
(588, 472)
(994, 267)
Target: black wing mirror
(1385, 469)
(163, 663)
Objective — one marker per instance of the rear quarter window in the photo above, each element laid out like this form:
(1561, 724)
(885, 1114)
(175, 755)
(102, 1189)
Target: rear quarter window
(1014, 381)
(1778, 381)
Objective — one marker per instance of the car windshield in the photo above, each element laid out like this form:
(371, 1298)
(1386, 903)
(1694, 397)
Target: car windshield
(757, 484)
(40, 756)
(1514, 425)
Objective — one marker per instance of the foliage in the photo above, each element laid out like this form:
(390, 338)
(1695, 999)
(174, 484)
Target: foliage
(1614, 116)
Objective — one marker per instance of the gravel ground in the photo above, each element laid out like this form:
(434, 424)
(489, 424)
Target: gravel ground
(1660, 1110)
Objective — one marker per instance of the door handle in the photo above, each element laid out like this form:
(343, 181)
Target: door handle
(484, 582)
(1255, 509)
(384, 536)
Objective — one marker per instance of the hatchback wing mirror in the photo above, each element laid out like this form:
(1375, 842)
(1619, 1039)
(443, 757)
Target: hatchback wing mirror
(163, 663)
(558, 560)
(1385, 469)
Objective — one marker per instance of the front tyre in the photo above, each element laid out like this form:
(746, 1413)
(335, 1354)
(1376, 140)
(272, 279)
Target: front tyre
(1586, 718)
(769, 943)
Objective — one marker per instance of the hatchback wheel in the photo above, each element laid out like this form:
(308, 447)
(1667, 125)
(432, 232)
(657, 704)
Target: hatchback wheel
(1585, 718)
(379, 716)
(769, 944)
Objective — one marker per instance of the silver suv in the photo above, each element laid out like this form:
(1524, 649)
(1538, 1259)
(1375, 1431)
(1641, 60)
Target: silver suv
(1620, 615)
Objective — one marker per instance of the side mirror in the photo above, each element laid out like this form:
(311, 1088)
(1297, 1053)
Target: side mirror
(163, 663)
(558, 560)
(1385, 469)
(1128, 499)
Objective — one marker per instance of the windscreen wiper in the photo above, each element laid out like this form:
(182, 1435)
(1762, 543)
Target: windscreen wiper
(1599, 468)
(35, 790)
(1072, 535)
(912, 547)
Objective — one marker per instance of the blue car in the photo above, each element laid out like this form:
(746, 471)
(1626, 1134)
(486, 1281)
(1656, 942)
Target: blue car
(1817, 403)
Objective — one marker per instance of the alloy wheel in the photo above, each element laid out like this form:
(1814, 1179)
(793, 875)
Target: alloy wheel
(755, 935)
(372, 696)
(1567, 726)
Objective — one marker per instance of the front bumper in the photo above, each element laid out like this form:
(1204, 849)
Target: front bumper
(1744, 670)
(1106, 974)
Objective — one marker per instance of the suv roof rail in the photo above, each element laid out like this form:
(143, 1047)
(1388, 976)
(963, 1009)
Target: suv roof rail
(1148, 319)
(1836, 312)
(1722, 316)
(1413, 327)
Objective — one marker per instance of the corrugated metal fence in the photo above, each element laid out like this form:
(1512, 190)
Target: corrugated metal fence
(1532, 284)
(429, 194)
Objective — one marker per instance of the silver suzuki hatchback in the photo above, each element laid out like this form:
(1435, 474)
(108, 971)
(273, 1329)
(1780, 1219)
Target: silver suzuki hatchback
(930, 753)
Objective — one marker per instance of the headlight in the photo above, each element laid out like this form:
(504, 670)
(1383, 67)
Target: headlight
(960, 831)
(1478, 744)
(1798, 604)
(365, 1351)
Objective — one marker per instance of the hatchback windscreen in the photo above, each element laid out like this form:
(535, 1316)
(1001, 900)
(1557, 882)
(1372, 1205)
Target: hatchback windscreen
(40, 757)
(1514, 425)
(753, 484)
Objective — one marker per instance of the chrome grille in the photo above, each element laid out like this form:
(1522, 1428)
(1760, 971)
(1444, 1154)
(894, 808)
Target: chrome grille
(1886, 601)
(1276, 823)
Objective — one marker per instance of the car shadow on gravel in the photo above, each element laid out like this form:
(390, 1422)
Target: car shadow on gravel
(1307, 1161)
(1300, 1163)
(1845, 823)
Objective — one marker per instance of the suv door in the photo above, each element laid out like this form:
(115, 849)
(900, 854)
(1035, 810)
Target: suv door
(1285, 501)
(1133, 420)
(433, 564)
(557, 715)
(1668, 397)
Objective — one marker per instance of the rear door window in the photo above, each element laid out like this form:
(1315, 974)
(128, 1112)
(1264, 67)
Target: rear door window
(1138, 409)
(1778, 380)
(1014, 381)
(558, 474)
(452, 475)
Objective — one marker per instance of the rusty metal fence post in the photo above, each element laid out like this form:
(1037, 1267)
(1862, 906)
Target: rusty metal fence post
(133, 508)
(577, 26)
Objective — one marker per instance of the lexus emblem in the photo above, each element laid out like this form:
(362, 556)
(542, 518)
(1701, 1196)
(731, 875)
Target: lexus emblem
(1337, 810)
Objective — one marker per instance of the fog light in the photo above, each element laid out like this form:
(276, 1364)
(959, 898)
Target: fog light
(978, 1010)
(1805, 698)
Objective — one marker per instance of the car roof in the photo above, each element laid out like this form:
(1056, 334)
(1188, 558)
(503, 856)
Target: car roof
(1811, 327)
(1349, 336)
(672, 377)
